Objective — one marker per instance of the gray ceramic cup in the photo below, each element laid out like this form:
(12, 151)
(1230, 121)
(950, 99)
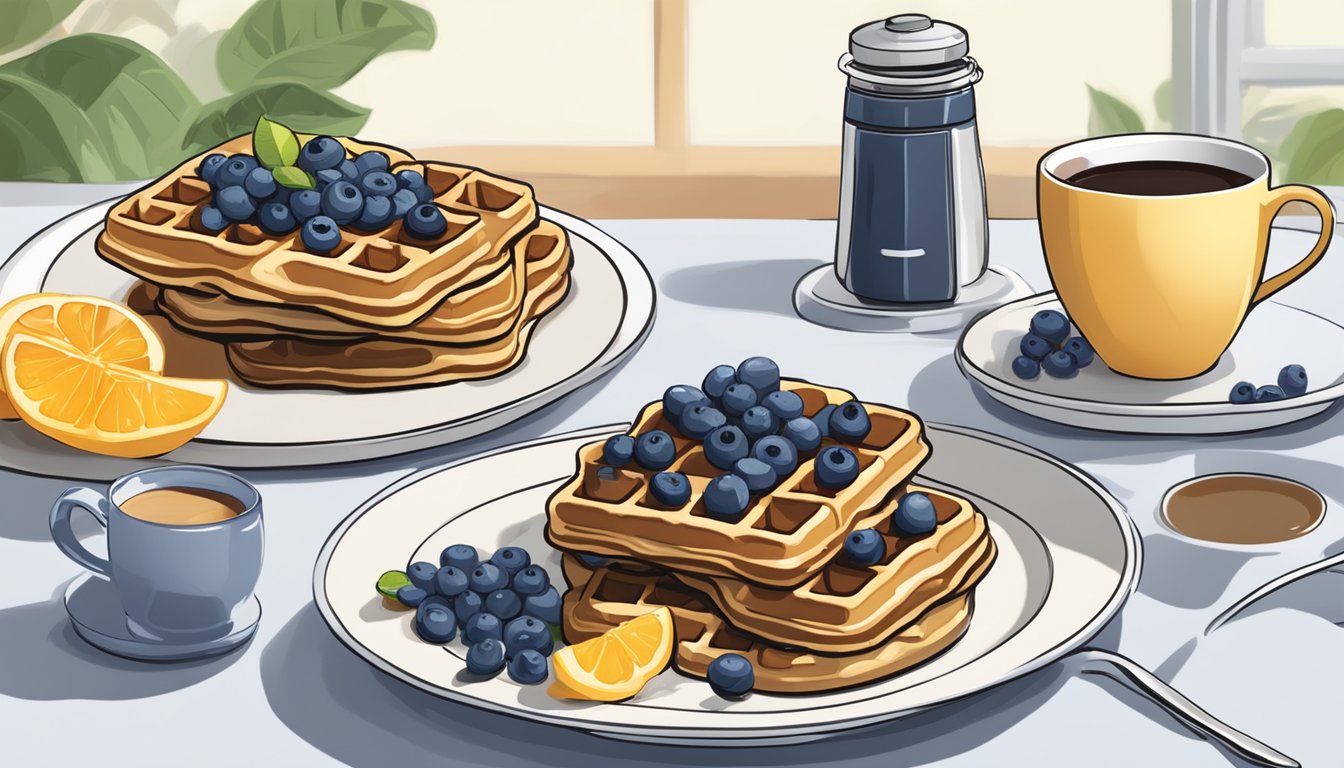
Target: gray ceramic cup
(177, 582)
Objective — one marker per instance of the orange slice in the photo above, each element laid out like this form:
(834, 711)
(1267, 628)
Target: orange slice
(103, 407)
(616, 664)
(98, 328)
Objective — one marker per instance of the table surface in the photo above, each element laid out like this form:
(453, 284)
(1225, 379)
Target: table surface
(294, 696)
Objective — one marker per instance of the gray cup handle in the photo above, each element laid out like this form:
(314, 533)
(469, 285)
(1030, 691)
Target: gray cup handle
(95, 504)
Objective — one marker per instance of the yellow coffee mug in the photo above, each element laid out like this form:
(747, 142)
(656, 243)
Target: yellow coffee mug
(1160, 283)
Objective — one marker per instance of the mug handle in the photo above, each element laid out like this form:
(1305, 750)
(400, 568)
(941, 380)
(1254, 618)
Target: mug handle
(95, 504)
(1279, 197)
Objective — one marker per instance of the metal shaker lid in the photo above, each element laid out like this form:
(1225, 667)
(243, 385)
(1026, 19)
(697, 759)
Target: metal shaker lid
(907, 40)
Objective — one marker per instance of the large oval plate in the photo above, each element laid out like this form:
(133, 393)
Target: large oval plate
(1068, 558)
(607, 314)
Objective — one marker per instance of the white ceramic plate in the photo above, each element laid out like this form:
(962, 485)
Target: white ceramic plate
(1068, 558)
(1274, 335)
(605, 317)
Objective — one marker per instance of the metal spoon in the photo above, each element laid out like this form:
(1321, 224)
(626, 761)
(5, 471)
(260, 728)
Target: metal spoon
(1334, 561)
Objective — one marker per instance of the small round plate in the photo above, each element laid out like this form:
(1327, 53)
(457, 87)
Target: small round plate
(1274, 335)
(95, 611)
(820, 298)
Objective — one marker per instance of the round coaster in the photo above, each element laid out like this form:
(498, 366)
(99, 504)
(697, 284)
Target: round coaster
(820, 298)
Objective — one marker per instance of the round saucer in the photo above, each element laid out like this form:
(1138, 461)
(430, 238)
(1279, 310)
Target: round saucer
(96, 613)
(820, 298)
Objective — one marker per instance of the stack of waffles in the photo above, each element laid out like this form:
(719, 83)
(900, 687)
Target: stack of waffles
(382, 309)
(775, 585)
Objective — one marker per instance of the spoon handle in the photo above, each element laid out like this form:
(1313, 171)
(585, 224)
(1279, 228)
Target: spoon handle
(1093, 661)
(1264, 590)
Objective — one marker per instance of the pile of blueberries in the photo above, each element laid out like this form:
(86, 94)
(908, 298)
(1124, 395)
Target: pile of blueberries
(1048, 347)
(505, 608)
(1292, 383)
(749, 428)
(361, 194)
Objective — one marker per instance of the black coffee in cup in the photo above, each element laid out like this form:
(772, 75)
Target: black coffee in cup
(1158, 177)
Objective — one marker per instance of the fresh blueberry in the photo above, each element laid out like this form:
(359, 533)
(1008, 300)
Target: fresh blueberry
(324, 179)
(1271, 392)
(527, 668)
(849, 422)
(1293, 380)
(528, 633)
(725, 445)
(545, 606)
(450, 581)
(342, 201)
(411, 596)
(1026, 368)
(532, 580)
(1242, 392)
(761, 373)
(731, 676)
(759, 476)
(277, 219)
(865, 547)
(370, 162)
(671, 489)
(210, 166)
(485, 657)
(235, 203)
(737, 398)
(836, 467)
(618, 450)
(466, 605)
(1050, 325)
(422, 575)
(758, 421)
(486, 578)
(482, 626)
(414, 182)
(320, 153)
(349, 171)
(504, 603)
(378, 183)
(280, 195)
(785, 405)
(434, 620)
(822, 419)
(1082, 352)
(1035, 347)
(590, 561)
(778, 452)
(915, 515)
(698, 421)
(1060, 364)
(260, 184)
(234, 171)
(803, 433)
(425, 222)
(320, 234)
(511, 559)
(376, 214)
(678, 398)
(212, 220)
(719, 379)
(655, 450)
(403, 200)
(726, 498)
(463, 557)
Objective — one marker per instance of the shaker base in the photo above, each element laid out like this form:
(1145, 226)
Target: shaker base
(819, 297)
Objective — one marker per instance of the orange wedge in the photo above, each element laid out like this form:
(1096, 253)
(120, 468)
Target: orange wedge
(616, 664)
(103, 407)
(100, 329)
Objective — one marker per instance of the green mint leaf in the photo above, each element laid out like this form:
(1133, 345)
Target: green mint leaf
(291, 177)
(274, 144)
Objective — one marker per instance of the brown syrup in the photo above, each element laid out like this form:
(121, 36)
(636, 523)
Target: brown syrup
(1243, 509)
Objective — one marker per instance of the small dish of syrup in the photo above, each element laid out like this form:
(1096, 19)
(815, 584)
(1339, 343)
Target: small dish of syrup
(1242, 509)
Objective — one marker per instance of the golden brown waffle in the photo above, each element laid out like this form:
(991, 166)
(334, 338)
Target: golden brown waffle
(602, 599)
(382, 363)
(782, 540)
(477, 312)
(386, 279)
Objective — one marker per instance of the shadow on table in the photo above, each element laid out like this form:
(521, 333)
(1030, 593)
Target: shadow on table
(27, 506)
(758, 285)
(330, 698)
(42, 659)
